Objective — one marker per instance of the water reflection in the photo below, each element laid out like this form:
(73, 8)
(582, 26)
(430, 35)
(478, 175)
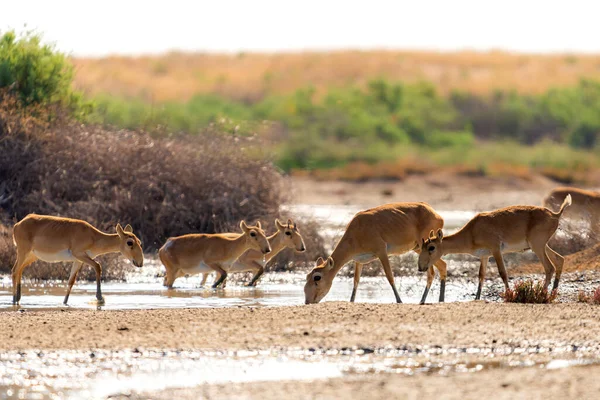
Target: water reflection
(276, 289)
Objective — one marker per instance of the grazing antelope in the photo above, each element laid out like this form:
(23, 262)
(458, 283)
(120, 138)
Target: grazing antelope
(511, 229)
(586, 204)
(55, 239)
(205, 253)
(374, 234)
(287, 236)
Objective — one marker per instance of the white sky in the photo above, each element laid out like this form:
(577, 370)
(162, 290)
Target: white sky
(132, 27)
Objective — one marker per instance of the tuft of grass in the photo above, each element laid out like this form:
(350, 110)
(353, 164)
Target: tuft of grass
(594, 298)
(529, 292)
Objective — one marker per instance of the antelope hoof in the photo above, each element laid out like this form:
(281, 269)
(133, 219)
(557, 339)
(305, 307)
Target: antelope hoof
(424, 297)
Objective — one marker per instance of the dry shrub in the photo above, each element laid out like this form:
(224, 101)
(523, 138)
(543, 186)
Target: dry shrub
(161, 186)
(7, 248)
(526, 291)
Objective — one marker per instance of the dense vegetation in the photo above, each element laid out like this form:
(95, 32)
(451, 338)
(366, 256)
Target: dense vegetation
(388, 121)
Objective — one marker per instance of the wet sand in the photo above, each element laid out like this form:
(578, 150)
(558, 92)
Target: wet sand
(339, 325)
(326, 325)
(529, 383)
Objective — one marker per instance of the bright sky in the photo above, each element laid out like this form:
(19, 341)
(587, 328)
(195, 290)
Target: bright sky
(83, 27)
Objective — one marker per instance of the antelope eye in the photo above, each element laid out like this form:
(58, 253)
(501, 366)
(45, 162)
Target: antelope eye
(253, 234)
(431, 248)
(317, 278)
(288, 233)
(130, 242)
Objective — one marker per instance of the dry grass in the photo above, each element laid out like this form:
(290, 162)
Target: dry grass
(179, 76)
(594, 298)
(529, 292)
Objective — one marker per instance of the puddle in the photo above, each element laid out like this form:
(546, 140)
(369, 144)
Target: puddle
(104, 373)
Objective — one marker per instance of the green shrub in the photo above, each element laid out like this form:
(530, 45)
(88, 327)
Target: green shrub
(438, 139)
(38, 73)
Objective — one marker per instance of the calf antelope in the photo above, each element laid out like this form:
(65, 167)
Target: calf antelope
(374, 234)
(287, 236)
(511, 229)
(55, 239)
(205, 253)
(586, 204)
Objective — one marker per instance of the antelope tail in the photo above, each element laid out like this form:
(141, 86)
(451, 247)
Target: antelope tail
(566, 203)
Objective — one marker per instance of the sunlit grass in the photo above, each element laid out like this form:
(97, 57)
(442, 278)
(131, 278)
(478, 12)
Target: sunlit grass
(180, 76)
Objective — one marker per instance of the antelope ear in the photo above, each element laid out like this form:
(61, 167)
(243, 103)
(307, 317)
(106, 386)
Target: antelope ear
(431, 234)
(258, 225)
(279, 225)
(320, 261)
(440, 234)
(120, 230)
(244, 227)
(329, 263)
(128, 228)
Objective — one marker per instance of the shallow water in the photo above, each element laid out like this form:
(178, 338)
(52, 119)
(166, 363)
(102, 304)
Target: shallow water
(39, 374)
(275, 289)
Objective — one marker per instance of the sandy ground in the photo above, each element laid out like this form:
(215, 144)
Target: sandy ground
(336, 325)
(444, 191)
(327, 325)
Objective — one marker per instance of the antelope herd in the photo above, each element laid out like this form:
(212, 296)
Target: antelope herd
(372, 234)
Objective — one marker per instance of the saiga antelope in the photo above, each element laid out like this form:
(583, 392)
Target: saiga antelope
(374, 234)
(511, 229)
(286, 236)
(586, 204)
(55, 239)
(205, 253)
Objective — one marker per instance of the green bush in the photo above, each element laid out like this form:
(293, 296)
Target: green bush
(38, 73)
(376, 122)
(438, 139)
